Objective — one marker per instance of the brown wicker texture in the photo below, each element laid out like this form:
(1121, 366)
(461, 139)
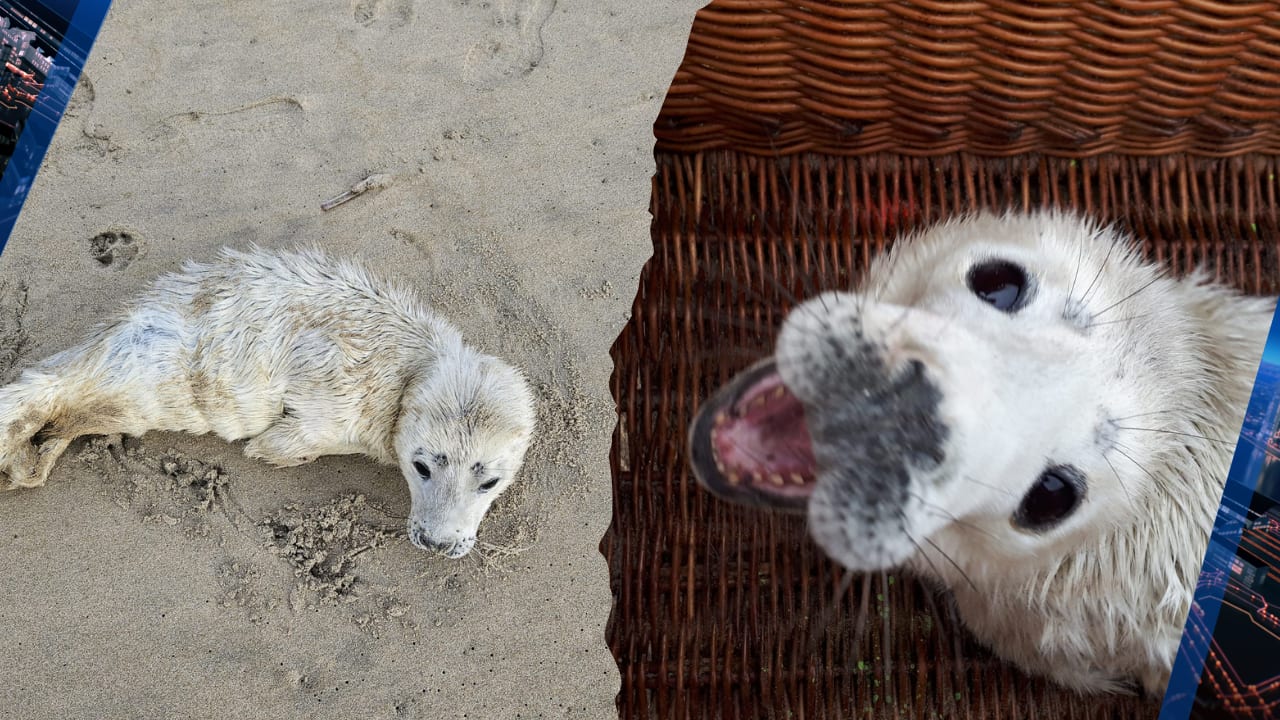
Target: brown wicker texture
(724, 612)
(1140, 77)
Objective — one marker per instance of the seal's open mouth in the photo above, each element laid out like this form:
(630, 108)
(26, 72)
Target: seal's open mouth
(749, 443)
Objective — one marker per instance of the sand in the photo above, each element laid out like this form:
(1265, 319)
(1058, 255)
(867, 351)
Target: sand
(168, 576)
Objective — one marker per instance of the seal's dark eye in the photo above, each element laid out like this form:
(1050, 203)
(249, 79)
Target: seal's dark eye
(1000, 283)
(1056, 494)
(422, 469)
(486, 487)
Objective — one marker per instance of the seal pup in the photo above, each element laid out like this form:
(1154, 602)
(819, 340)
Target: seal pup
(1021, 409)
(301, 356)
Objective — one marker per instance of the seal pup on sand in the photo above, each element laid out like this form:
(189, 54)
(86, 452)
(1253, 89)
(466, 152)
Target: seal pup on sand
(302, 356)
(1019, 408)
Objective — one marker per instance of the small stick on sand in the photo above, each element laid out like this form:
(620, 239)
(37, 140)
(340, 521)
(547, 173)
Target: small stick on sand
(373, 182)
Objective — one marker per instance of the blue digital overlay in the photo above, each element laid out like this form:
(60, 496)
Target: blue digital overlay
(43, 49)
(1228, 662)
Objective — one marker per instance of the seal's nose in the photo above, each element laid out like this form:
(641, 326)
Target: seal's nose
(423, 539)
(444, 548)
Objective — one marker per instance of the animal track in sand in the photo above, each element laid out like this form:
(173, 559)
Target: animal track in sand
(514, 47)
(277, 116)
(93, 140)
(393, 13)
(114, 248)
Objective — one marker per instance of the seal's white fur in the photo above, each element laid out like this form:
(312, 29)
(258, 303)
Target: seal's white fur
(1138, 379)
(302, 356)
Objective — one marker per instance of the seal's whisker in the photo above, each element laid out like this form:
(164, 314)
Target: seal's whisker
(886, 637)
(1084, 299)
(1158, 277)
(954, 564)
(1120, 448)
(1177, 433)
(490, 556)
(939, 511)
(1066, 303)
(864, 609)
(897, 323)
(1115, 472)
(957, 641)
(500, 550)
(930, 597)
(940, 551)
(946, 326)
(989, 486)
(1153, 412)
(1117, 321)
(815, 638)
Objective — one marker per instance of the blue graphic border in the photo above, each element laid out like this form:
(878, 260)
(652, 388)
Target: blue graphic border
(1227, 529)
(37, 134)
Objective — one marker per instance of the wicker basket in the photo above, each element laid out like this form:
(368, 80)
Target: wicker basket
(797, 138)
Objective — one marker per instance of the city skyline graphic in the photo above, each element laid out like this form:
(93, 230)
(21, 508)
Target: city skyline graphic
(30, 35)
(1234, 623)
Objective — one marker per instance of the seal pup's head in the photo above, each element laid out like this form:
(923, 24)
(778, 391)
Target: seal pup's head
(463, 431)
(965, 411)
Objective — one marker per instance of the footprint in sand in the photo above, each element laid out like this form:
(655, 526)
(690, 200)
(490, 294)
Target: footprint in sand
(393, 13)
(114, 249)
(514, 47)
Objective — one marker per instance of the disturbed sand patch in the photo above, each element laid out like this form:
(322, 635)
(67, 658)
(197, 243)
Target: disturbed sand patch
(323, 544)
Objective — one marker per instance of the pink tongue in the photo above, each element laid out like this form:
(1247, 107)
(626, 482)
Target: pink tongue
(762, 440)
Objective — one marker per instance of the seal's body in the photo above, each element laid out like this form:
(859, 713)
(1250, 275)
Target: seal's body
(1022, 409)
(302, 356)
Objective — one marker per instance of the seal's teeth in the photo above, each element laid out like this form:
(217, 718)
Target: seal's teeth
(721, 418)
(779, 392)
(733, 478)
(776, 479)
(797, 479)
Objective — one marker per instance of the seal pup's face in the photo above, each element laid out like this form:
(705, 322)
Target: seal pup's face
(463, 434)
(962, 413)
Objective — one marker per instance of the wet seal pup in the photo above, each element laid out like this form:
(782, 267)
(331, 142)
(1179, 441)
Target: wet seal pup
(1021, 409)
(302, 356)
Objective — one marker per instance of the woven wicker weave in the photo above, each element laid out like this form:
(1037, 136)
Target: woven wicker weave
(724, 612)
(922, 78)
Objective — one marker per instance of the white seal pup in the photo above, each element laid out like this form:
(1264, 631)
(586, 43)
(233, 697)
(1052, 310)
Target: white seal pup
(302, 356)
(1017, 407)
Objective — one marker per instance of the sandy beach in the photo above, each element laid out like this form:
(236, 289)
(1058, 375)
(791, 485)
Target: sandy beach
(169, 576)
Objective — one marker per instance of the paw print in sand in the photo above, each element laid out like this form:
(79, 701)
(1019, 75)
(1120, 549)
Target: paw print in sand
(114, 249)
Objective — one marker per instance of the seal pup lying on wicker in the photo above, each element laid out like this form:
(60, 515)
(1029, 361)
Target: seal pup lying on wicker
(302, 356)
(1017, 407)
